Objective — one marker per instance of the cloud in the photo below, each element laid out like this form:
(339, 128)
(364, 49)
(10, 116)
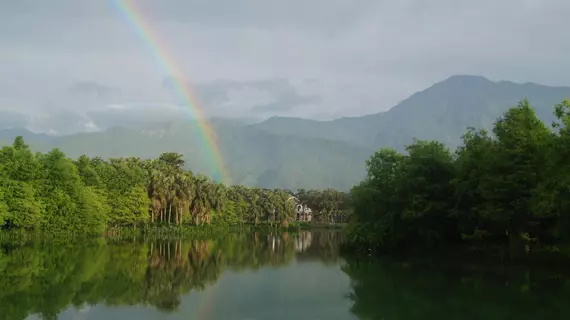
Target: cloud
(88, 89)
(60, 122)
(253, 57)
(65, 121)
(136, 114)
(12, 119)
(285, 98)
(256, 98)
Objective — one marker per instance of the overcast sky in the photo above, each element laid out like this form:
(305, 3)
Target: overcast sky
(256, 58)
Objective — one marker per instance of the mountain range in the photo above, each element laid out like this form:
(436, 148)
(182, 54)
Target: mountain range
(299, 153)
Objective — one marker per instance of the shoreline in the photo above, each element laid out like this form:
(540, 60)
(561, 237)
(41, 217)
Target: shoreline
(160, 231)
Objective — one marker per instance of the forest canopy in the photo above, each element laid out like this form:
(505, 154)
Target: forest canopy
(49, 191)
(506, 187)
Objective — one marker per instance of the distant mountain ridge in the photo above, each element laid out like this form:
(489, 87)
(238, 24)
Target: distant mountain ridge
(300, 153)
(441, 112)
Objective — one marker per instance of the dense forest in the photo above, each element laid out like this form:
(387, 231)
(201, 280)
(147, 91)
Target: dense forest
(52, 192)
(507, 189)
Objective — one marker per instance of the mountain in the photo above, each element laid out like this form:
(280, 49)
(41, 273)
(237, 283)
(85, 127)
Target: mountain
(441, 112)
(251, 157)
(8, 135)
(444, 111)
(299, 153)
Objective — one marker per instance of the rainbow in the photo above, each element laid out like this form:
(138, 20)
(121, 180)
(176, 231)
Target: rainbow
(166, 63)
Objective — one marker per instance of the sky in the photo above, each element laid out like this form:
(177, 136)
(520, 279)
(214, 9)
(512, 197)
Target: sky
(68, 65)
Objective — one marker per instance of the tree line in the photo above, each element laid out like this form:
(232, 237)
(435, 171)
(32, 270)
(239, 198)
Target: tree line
(328, 205)
(48, 191)
(508, 188)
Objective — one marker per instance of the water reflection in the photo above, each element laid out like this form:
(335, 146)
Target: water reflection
(45, 277)
(261, 276)
(452, 289)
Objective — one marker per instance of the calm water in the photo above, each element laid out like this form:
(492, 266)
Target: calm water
(254, 276)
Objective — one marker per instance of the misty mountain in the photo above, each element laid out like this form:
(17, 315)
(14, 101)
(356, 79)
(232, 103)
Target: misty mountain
(444, 111)
(299, 153)
(441, 112)
(8, 135)
(251, 157)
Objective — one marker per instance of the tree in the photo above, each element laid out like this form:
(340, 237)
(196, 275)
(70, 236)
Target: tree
(519, 158)
(508, 189)
(88, 195)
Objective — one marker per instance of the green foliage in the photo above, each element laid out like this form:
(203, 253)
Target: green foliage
(3, 209)
(328, 205)
(90, 195)
(507, 189)
(23, 209)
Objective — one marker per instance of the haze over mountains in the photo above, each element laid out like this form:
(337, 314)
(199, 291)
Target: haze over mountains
(293, 153)
(88, 106)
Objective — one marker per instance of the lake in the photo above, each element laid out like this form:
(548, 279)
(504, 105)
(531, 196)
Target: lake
(260, 276)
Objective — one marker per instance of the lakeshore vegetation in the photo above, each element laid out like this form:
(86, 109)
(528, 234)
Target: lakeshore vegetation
(508, 188)
(50, 192)
(505, 188)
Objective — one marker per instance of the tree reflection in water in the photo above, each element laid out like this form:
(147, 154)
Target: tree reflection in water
(44, 277)
(447, 289)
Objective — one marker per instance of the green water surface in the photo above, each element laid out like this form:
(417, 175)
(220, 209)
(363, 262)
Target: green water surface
(260, 276)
